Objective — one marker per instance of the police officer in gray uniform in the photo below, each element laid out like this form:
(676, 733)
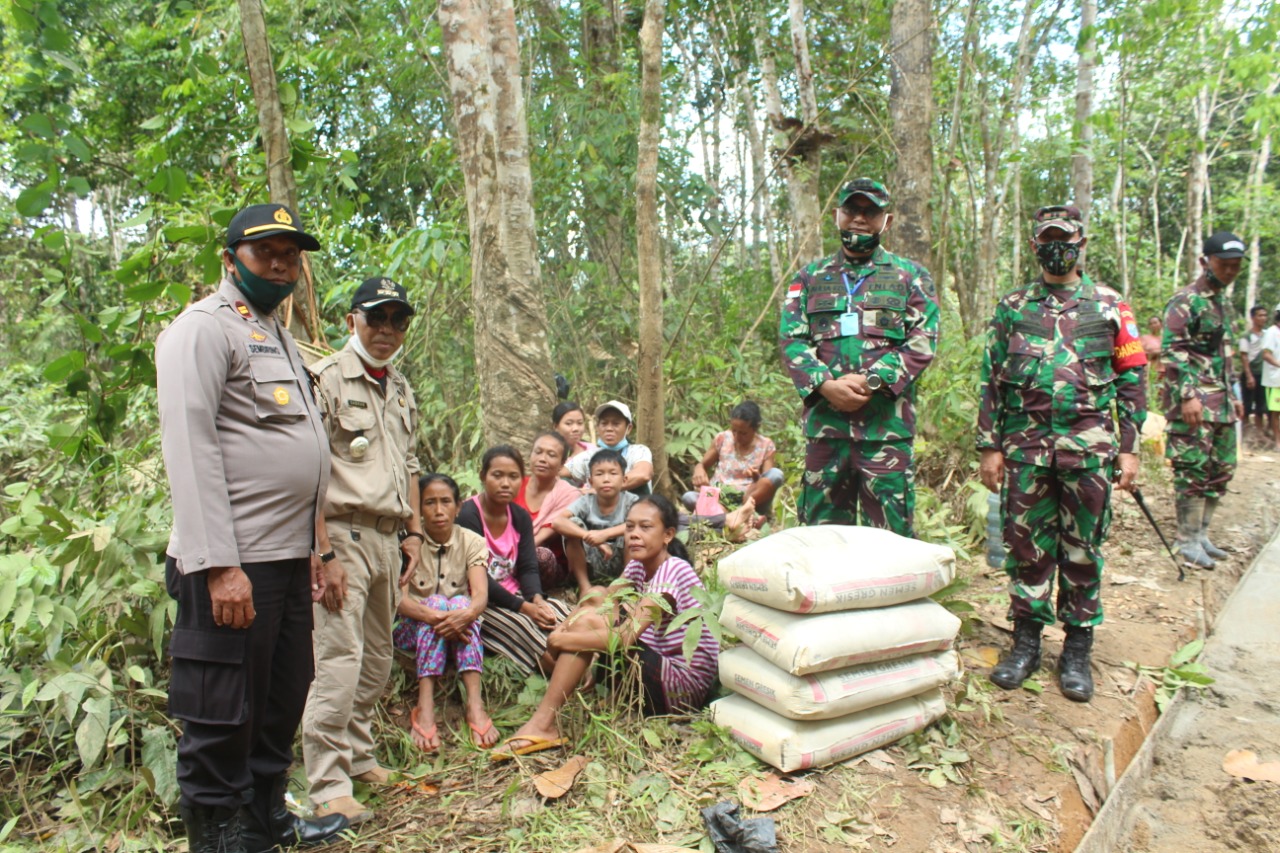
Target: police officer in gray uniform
(248, 465)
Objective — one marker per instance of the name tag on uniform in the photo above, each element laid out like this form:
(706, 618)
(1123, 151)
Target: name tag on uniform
(849, 324)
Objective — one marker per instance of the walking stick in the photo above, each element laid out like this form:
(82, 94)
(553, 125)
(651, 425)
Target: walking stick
(1142, 505)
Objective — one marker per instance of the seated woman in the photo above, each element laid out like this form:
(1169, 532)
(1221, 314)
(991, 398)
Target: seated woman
(658, 571)
(438, 619)
(546, 497)
(570, 421)
(519, 617)
(743, 462)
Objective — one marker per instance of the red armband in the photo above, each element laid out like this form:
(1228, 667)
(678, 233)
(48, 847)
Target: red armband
(1128, 352)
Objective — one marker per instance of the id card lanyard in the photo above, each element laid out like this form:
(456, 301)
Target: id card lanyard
(849, 320)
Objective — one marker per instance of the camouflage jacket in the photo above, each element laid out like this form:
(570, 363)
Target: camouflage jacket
(1049, 379)
(892, 306)
(1197, 332)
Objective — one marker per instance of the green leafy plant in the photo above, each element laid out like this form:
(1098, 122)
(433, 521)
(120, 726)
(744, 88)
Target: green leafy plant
(1183, 671)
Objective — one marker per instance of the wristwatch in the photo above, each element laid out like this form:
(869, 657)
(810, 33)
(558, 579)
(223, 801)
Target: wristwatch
(328, 557)
(875, 382)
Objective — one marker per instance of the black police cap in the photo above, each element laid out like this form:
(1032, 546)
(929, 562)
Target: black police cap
(268, 220)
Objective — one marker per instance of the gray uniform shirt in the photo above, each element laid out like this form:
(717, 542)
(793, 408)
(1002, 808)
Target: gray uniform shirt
(244, 447)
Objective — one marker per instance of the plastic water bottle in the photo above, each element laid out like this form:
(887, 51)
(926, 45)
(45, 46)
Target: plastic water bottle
(995, 538)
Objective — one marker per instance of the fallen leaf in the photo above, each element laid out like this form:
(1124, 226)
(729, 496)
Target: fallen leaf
(982, 656)
(556, 783)
(878, 758)
(765, 795)
(1040, 811)
(1243, 764)
(1121, 580)
(617, 845)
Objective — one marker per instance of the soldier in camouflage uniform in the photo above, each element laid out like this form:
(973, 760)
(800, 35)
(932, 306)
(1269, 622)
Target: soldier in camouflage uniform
(1060, 353)
(858, 328)
(1196, 396)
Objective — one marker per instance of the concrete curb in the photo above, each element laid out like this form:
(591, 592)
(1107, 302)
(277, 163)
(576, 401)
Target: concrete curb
(1112, 823)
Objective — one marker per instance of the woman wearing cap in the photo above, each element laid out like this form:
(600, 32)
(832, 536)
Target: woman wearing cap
(613, 423)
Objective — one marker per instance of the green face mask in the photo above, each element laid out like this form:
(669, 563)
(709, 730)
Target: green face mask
(264, 294)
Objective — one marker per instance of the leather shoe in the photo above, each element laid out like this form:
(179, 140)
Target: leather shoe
(348, 807)
(375, 775)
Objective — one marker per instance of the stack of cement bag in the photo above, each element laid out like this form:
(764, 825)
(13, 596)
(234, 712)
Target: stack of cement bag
(842, 651)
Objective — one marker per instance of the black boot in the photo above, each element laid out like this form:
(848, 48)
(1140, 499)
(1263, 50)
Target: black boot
(269, 824)
(1074, 675)
(212, 830)
(1023, 659)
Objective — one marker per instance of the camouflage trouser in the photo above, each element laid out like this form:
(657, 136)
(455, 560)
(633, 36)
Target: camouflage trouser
(1054, 522)
(843, 476)
(1203, 458)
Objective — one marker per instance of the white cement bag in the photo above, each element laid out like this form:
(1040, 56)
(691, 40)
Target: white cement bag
(792, 745)
(804, 644)
(836, 567)
(824, 695)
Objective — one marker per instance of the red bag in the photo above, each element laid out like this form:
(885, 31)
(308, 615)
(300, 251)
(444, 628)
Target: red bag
(708, 502)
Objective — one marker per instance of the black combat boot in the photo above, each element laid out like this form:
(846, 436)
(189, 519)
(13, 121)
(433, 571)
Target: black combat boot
(211, 830)
(1074, 675)
(1023, 659)
(269, 824)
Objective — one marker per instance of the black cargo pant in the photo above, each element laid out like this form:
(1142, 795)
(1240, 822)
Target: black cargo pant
(239, 692)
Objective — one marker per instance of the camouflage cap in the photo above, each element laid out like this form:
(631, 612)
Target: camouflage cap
(1064, 216)
(873, 190)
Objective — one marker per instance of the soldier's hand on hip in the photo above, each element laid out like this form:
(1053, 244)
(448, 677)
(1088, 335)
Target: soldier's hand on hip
(991, 469)
(1192, 411)
(843, 393)
(335, 586)
(231, 595)
(1128, 471)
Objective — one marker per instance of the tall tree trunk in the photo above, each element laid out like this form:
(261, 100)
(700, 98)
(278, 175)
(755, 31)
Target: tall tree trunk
(1253, 198)
(761, 198)
(650, 396)
(1198, 179)
(301, 311)
(951, 163)
(911, 111)
(1082, 153)
(513, 357)
(807, 147)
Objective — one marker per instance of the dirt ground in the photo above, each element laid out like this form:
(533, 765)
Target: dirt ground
(1023, 770)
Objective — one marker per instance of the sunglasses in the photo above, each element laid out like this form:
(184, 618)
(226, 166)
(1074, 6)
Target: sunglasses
(377, 319)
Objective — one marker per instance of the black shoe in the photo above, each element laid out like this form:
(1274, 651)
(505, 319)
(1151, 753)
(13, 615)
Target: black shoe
(268, 823)
(1074, 674)
(1023, 659)
(211, 830)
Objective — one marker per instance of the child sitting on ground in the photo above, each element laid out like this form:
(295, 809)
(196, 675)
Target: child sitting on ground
(658, 571)
(593, 524)
(439, 619)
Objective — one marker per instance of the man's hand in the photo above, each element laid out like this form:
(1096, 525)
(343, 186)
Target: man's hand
(1249, 381)
(1192, 410)
(335, 586)
(231, 594)
(1128, 471)
(1239, 408)
(411, 547)
(991, 469)
(848, 394)
(606, 551)
(317, 577)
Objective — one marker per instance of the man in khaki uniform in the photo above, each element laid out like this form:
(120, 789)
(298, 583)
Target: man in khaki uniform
(248, 463)
(370, 518)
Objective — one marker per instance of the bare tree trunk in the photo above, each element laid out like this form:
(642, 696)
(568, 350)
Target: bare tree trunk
(1082, 155)
(1253, 199)
(513, 357)
(808, 169)
(950, 163)
(760, 195)
(1198, 179)
(301, 310)
(650, 386)
(911, 111)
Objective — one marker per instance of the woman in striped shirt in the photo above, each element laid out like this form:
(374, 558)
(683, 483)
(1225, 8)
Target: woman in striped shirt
(661, 582)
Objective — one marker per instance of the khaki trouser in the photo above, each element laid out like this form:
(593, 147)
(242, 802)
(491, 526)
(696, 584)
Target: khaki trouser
(353, 653)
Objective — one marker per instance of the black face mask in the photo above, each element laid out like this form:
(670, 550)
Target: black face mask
(1058, 257)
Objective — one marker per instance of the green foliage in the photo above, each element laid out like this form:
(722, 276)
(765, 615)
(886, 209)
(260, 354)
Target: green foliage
(1183, 671)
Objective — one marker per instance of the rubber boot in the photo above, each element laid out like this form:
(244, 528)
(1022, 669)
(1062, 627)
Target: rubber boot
(1214, 552)
(268, 823)
(1190, 515)
(212, 830)
(1074, 674)
(1023, 659)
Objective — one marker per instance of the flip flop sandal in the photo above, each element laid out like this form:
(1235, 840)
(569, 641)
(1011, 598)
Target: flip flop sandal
(425, 734)
(534, 744)
(477, 735)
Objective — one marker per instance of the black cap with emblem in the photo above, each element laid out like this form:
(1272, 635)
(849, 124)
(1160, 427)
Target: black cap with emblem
(373, 292)
(1224, 245)
(269, 220)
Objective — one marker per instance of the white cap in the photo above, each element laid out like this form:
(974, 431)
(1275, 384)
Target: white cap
(621, 408)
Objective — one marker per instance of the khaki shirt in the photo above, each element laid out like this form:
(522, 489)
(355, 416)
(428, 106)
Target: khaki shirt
(243, 442)
(443, 568)
(378, 480)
